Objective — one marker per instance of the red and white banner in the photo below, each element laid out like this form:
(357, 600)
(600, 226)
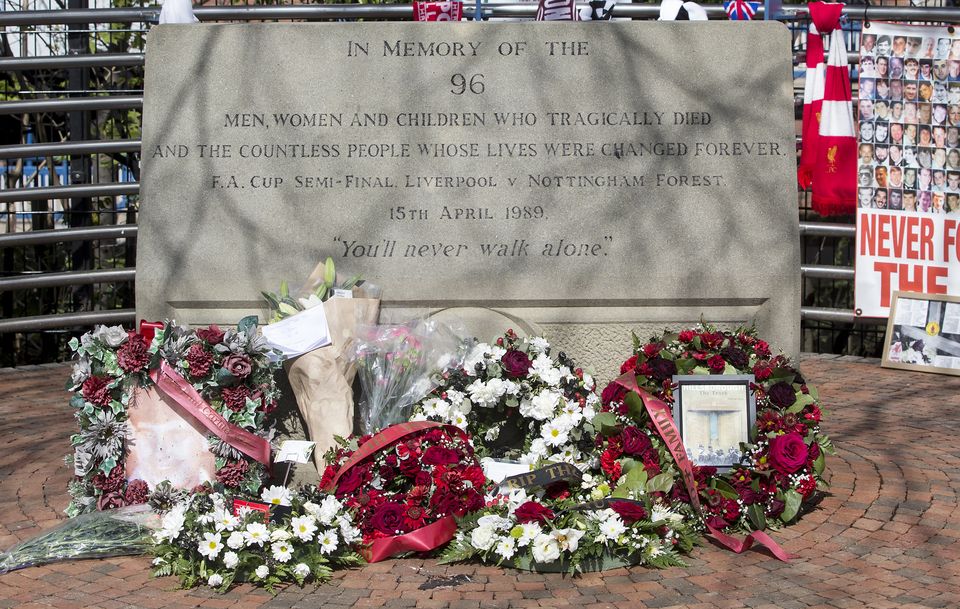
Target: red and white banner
(437, 11)
(908, 172)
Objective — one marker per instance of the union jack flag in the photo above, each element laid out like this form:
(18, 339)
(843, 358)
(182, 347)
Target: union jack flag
(740, 10)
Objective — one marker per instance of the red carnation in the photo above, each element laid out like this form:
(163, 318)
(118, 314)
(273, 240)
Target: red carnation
(762, 348)
(235, 397)
(213, 334)
(788, 453)
(613, 392)
(716, 364)
(350, 481)
(629, 366)
(531, 511)
(438, 455)
(95, 391)
(233, 473)
(686, 336)
(328, 473)
(629, 511)
(109, 484)
(133, 355)
(200, 360)
(474, 474)
(137, 492)
(652, 349)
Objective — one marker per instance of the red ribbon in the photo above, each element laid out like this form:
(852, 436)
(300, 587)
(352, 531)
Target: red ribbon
(171, 383)
(663, 420)
(423, 539)
(148, 329)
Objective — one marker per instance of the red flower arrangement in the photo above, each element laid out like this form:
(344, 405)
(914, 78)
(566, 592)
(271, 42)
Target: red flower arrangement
(406, 485)
(783, 465)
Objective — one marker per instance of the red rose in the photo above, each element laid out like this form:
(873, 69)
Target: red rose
(788, 453)
(438, 455)
(388, 518)
(200, 360)
(410, 467)
(531, 511)
(95, 390)
(350, 481)
(629, 365)
(612, 393)
(686, 336)
(782, 395)
(662, 369)
(629, 511)
(213, 334)
(635, 442)
(110, 501)
(716, 364)
(239, 365)
(235, 397)
(516, 364)
(133, 355)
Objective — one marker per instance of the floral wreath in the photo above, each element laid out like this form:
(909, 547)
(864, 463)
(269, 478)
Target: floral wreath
(204, 540)
(518, 400)
(780, 470)
(232, 370)
(414, 479)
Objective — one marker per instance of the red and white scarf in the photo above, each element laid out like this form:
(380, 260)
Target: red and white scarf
(829, 158)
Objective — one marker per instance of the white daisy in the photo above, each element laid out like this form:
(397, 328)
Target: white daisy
(506, 547)
(210, 546)
(224, 520)
(303, 527)
(256, 533)
(327, 541)
(276, 495)
(282, 552)
(553, 433)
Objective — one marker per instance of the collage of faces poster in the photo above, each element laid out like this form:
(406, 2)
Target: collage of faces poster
(908, 171)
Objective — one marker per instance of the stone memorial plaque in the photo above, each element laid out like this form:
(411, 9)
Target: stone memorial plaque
(584, 179)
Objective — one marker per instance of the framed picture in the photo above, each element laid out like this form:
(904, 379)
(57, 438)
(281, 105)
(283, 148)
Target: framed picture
(714, 414)
(923, 333)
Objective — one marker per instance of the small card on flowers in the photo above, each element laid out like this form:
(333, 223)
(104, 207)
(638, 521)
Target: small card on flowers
(300, 333)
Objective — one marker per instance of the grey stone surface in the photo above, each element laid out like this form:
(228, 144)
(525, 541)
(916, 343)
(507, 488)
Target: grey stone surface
(216, 229)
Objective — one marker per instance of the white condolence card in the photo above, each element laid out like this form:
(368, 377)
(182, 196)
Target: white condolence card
(300, 333)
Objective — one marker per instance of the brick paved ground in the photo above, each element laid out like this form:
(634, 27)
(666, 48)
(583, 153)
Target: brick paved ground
(887, 536)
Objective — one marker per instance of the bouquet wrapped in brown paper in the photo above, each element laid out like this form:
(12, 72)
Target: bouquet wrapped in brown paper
(322, 378)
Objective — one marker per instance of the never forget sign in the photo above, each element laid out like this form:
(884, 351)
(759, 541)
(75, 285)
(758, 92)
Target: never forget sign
(588, 179)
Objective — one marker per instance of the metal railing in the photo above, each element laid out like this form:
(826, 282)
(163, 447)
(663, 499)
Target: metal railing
(81, 144)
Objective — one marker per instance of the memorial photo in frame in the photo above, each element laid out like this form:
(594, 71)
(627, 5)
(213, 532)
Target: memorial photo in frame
(923, 333)
(714, 414)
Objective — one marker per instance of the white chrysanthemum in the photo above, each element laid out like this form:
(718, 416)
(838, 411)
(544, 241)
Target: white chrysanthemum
(206, 518)
(541, 407)
(568, 539)
(172, 524)
(224, 520)
(236, 540)
(539, 344)
(554, 434)
(476, 356)
(496, 353)
(612, 528)
(543, 368)
(231, 560)
(256, 533)
(498, 523)
(538, 447)
(529, 532)
(569, 454)
(515, 498)
(215, 580)
(545, 549)
(506, 547)
(455, 397)
(662, 512)
(282, 552)
(510, 388)
(303, 527)
(301, 570)
(486, 395)
(276, 495)
(435, 407)
(280, 535)
(262, 571)
(483, 538)
(327, 540)
(311, 508)
(329, 509)
(459, 420)
(210, 546)
(492, 434)
(348, 532)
